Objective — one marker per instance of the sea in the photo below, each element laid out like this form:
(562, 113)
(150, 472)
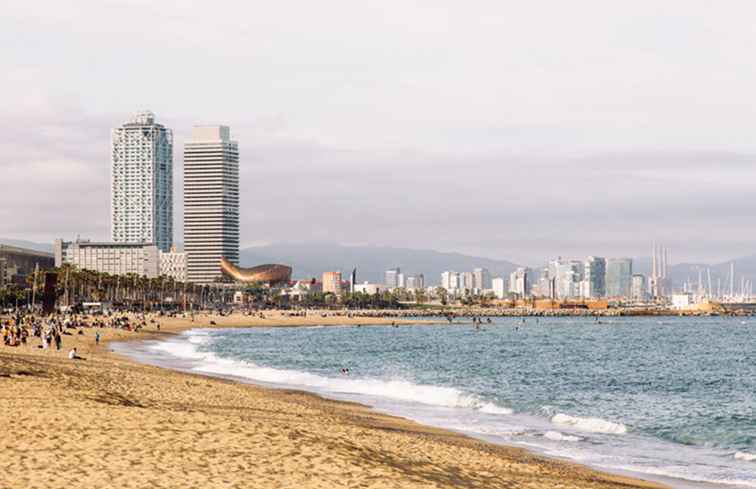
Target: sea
(670, 399)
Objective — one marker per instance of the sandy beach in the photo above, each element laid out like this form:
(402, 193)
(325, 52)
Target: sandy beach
(108, 422)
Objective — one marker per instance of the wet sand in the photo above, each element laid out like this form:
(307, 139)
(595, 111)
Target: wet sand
(108, 422)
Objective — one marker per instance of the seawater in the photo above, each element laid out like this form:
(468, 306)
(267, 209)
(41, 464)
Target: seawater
(672, 397)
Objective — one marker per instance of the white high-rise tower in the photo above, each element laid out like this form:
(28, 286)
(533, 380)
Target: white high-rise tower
(211, 202)
(142, 182)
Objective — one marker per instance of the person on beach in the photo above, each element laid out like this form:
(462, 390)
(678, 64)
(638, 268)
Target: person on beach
(73, 355)
(58, 341)
(97, 338)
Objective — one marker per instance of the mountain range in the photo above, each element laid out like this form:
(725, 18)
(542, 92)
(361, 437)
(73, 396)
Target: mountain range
(312, 259)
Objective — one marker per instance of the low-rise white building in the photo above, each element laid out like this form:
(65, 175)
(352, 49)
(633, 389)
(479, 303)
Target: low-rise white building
(370, 289)
(112, 258)
(682, 301)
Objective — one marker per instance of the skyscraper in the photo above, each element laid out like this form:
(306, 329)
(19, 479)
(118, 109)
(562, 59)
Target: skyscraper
(481, 279)
(519, 282)
(619, 273)
(391, 277)
(211, 202)
(142, 182)
(594, 277)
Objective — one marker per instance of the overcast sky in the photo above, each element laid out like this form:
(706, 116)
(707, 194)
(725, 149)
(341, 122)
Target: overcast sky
(518, 130)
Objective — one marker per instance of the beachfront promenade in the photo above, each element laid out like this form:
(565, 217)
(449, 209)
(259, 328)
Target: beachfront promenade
(105, 421)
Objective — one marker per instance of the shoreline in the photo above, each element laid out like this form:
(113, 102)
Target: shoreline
(390, 451)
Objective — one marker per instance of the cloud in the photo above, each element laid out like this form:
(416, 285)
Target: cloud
(489, 128)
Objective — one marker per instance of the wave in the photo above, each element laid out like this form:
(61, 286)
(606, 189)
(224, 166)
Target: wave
(594, 425)
(397, 389)
(748, 457)
(557, 436)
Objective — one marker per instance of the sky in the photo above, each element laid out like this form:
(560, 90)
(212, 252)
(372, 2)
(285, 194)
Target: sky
(514, 130)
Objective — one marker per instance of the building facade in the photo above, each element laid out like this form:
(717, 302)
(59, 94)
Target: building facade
(142, 182)
(113, 258)
(619, 273)
(370, 289)
(481, 279)
(415, 282)
(18, 263)
(499, 287)
(173, 265)
(211, 202)
(519, 282)
(391, 277)
(639, 288)
(332, 282)
(594, 278)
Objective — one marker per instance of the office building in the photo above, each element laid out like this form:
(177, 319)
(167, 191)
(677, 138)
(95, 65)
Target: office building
(112, 258)
(567, 276)
(519, 282)
(400, 281)
(332, 282)
(467, 281)
(142, 182)
(391, 278)
(619, 273)
(415, 282)
(211, 202)
(481, 279)
(450, 280)
(594, 278)
(173, 265)
(639, 289)
(499, 286)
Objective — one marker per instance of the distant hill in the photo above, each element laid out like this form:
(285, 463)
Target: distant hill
(47, 248)
(312, 259)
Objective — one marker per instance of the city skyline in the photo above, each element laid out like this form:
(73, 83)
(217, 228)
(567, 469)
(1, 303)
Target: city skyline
(601, 177)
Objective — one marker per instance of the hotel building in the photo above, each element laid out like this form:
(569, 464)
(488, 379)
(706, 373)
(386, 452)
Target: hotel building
(211, 202)
(142, 182)
(112, 258)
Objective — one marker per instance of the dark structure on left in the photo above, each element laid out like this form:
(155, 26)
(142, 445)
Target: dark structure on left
(268, 274)
(18, 263)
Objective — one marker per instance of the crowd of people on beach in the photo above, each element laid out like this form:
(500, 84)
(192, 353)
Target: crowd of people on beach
(22, 327)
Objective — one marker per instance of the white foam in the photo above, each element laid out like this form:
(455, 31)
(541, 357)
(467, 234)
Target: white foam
(594, 425)
(748, 457)
(557, 436)
(397, 389)
(491, 408)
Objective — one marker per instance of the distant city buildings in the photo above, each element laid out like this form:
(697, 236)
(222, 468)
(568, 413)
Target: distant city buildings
(415, 282)
(499, 286)
(519, 283)
(481, 279)
(639, 290)
(211, 202)
(391, 277)
(140, 259)
(619, 273)
(332, 282)
(594, 278)
(142, 182)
